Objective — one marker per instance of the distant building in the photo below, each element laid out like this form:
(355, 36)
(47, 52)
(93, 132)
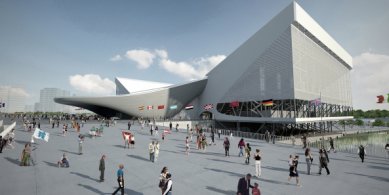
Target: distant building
(47, 103)
(29, 108)
(13, 98)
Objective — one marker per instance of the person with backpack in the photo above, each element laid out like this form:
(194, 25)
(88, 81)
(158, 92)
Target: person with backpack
(168, 186)
(361, 152)
(226, 146)
(241, 146)
(323, 160)
(247, 152)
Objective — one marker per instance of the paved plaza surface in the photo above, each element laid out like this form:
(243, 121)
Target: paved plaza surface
(208, 172)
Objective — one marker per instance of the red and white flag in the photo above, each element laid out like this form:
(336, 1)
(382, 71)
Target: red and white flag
(208, 106)
(166, 131)
(161, 107)
(149, 107)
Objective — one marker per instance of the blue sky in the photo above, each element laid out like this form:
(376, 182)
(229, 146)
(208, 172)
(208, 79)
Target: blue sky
(65, 43)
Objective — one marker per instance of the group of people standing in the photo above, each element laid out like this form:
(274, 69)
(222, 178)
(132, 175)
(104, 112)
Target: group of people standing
(154, 151)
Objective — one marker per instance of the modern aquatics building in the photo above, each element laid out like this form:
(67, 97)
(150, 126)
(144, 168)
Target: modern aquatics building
(289, 74)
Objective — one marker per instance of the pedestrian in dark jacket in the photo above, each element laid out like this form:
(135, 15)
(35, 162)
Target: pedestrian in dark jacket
(323, 160)
(102, 168)
(244, 185)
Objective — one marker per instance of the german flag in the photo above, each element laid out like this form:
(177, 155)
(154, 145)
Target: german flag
(141, 107)
(268, 102)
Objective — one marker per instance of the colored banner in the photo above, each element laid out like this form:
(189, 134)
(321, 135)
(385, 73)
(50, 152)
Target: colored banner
(173, 107)
(161, 107)
(189, 107)
(268, 102)
(39, 134)
(380, 99)
(149, 107)
(141, 107)
(208, 106)
(234, 104)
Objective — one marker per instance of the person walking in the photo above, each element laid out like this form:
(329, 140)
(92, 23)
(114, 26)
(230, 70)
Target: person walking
(156, 151)
(387, 149)
(213, 137)
(156, 131)
(226, 145)
(219, 131)
(25, 157)
(323, 160)
(162, 179)
(241, 146)
(151, 130)
(169, 185)
(120, 180)
(2, 143)
(257, 158)
(170, 126)
(129, 125)
(151, 151)
(177, 127)
(255, 190)
(332, 145)
(308, 160)
(244, 185)
(293, 170)
(102, 168)
(187, 146)
(247, 151)
(361, 152)
(80, 141)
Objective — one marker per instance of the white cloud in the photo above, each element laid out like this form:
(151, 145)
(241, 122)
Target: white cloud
(20, 92)
(143, 58)
(161, 53)
(196, 69)
(92, 83)
(370, 77)
(116, 58)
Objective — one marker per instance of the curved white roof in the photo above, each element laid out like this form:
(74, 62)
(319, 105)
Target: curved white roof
(134, 85)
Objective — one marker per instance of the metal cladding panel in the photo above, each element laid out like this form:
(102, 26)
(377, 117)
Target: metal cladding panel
(317, 72)
(313, 27)
(270, 76)
(141, 104)
(228, 72)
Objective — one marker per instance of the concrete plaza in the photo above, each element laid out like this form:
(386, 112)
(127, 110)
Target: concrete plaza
(208, 172)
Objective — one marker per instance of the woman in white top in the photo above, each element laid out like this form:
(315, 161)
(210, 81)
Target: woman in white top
(156, 151)
(257, 158)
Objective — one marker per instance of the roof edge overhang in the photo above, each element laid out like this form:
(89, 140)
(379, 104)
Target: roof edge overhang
(305, 20)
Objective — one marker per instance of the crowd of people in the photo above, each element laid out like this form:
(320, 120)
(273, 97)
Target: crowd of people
(166, 184)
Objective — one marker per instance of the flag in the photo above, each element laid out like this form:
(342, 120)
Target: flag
(268, 102)
(173, 107)
(149, 107)
(189, 107)
(234, 104)
(141, 107)
(315, 102)
(381, 99)
(166, 131)
(161, 107)
(39, 134)
(126, 133)
(388, 97)
(208, 106)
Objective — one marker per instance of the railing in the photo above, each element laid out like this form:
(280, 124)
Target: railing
(250, 135)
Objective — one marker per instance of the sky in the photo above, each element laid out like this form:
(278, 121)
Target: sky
(81, 46)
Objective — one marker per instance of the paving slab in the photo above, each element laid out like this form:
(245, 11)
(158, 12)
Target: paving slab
(202, 172)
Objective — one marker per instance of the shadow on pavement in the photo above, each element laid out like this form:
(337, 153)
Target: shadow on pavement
(69, 152)
(119, 146)
(378, 167)
(224, 161)
(138, 157)
(51, 164)
(84, 176)
(228, 172)
(276, 168)
(220, 190)
(370, 176)
(97, 191)
(275, 182)
(132, 192)
(14, 161)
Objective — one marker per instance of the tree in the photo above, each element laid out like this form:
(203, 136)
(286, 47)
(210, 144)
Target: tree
(378, 122)
(358, 122)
